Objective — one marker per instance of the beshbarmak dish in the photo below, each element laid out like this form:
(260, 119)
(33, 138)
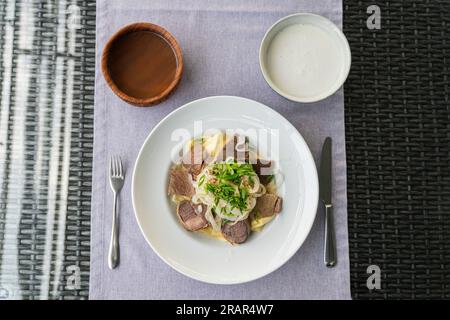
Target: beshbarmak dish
(223, 188)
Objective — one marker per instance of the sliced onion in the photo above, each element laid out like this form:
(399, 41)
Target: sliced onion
(261, 191)
(209, 216)
(256, 185)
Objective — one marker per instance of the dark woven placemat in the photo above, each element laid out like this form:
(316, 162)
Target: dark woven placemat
(47, 68)
(398, 148)
(397, 130)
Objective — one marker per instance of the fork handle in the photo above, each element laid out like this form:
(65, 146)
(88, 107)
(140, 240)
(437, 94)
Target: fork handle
(113, 255)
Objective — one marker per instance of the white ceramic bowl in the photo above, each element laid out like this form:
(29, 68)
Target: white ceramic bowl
(197, 255)
(343, 59)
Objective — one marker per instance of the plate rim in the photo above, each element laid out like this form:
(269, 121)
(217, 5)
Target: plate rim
(315, 203)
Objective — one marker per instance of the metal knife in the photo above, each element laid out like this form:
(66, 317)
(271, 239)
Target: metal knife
(325, 196)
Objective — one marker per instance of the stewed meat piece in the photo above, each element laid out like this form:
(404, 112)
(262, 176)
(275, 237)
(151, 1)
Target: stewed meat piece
(180, 182)
(193, 160)
(268, 204)
(236, 233)
(262, 168)
(191, 215)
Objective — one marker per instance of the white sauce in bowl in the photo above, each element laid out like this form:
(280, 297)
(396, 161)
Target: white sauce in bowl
(304, 61)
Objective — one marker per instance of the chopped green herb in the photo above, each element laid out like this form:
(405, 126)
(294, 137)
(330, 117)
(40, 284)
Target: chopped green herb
(201, 180)
(227, 185)
(244, 194)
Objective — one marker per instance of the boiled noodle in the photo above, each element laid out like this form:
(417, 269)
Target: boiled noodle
(224, 209)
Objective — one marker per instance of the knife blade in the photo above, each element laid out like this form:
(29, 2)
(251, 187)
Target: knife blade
(325, 191)
(325, 172)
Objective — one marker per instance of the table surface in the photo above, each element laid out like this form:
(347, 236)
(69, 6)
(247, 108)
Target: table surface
(397, 131)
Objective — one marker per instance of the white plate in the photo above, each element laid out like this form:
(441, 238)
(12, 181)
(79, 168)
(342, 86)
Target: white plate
(196, 255)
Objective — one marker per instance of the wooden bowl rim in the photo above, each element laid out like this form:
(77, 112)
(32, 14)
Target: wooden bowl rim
(166, 35)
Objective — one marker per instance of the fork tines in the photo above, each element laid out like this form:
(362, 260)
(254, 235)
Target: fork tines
(115, 165)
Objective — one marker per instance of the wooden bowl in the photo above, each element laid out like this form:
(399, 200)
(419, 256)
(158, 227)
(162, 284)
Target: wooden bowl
(122, 54)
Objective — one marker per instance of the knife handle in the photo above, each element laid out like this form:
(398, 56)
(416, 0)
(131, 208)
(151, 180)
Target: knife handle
(330, 240)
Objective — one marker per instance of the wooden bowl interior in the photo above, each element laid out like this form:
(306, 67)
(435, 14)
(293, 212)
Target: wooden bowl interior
(106, 61)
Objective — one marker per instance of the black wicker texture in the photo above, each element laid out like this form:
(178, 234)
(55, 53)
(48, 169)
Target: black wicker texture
(77, 234)
(52, 65)
(398, 148)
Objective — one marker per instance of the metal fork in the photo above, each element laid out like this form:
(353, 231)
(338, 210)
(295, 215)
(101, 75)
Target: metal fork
(116, 178)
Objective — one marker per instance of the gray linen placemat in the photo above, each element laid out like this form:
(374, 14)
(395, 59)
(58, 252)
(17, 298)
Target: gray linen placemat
(220, 42)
